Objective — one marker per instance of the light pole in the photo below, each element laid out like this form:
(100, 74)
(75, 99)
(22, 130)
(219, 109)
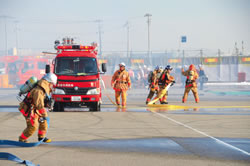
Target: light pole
(100, 36)
(149, 51)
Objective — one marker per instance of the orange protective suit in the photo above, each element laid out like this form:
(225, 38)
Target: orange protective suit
(154, 88)
(165, 80)
(191, 84)
(120, 83)
(33, 109)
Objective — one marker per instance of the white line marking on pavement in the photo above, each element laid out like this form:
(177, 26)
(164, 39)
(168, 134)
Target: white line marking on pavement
(202, 133)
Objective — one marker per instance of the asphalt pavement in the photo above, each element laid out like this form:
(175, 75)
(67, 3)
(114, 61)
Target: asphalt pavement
(212, 132)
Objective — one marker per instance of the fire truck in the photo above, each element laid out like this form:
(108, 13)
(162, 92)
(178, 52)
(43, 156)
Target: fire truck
(30, 66)
(8, 71)
(78, 76)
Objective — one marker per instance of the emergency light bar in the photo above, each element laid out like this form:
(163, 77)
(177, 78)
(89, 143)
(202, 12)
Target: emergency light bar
(79, 47)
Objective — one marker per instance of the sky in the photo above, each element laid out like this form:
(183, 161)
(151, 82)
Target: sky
(207, 24)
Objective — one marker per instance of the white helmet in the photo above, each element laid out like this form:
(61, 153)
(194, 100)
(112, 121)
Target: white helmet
(122, 64)
(50, 77)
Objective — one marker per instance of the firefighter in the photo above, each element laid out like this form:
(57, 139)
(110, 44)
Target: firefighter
(192, 76)
(33, 108)
(121, 83)
(164, 82)
(202, 77)
(153, 82)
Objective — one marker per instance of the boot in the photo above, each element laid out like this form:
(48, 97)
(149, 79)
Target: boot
(46, 140)
(23, 140)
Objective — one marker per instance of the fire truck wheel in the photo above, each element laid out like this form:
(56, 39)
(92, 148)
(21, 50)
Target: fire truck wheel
(95, 107)
(58, 107)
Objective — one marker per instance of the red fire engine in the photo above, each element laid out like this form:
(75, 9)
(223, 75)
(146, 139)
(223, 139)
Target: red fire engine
(8, 71)
(31, 66)
(78, 76)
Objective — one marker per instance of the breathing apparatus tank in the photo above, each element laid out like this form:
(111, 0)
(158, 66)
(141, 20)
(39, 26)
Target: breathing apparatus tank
(29, 84)
(191, 75)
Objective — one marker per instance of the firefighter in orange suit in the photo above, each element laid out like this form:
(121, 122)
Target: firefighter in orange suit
(191, 84)
(164, 82)
(153, 80)
(121, 83)
(33, 109)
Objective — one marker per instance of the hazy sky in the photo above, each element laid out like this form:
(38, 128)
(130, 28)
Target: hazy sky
(208, 24)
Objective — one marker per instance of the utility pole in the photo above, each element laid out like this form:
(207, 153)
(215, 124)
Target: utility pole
(219, 56)
(128, 43)
(201, 56)
(236, 49)
(16, 30)
(149, 50)
(242, 48)
(5, 30)
(100, 36)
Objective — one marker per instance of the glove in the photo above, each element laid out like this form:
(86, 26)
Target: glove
(173, 82)
(42, 119)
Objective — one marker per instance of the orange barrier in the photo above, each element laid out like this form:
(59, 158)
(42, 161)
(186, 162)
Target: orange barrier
(4, 81)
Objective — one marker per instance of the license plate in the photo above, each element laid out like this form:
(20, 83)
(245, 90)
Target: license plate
(75, 98)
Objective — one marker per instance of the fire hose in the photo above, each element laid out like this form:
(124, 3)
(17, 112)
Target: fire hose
(9, 156)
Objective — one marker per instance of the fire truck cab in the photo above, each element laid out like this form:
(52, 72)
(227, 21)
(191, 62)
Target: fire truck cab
(78, 76)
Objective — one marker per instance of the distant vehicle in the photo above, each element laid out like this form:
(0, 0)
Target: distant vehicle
(78, 74)
(30, 66)
(3, 66)
(9, 69)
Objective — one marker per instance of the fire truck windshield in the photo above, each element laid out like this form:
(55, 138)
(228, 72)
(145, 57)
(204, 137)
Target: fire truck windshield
(76, 66)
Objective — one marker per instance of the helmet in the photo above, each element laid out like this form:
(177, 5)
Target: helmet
(51, 78)
(122, 64)
(168, 67)
(192, 67)
(158, 67)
